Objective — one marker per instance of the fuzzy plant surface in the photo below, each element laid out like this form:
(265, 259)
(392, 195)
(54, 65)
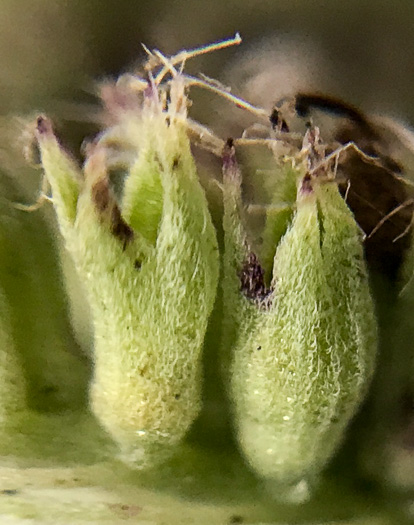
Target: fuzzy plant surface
(157, 435)
(302, 351)
(149, 265)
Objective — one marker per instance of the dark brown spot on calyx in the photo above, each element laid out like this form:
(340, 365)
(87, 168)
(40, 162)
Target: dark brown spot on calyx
(108, 209)
(101, 195)
(252, 282)
(119, 228)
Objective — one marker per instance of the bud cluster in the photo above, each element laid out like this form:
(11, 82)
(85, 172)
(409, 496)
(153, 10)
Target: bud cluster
(299, 332)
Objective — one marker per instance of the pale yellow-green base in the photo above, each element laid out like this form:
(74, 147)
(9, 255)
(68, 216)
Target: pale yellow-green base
(70, 479)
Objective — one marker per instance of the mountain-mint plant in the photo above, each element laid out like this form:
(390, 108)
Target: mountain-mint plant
(298, 341)
(149, 262)
(302, 350)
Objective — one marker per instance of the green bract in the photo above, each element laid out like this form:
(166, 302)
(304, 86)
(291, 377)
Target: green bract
(41, 369)
(303, 350)
(150, 266)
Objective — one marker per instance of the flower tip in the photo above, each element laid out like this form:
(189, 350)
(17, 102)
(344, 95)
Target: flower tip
(305, 187)
(43, 126)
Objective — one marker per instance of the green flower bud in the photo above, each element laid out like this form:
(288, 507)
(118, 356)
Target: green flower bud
(150, 268)
(302, 351)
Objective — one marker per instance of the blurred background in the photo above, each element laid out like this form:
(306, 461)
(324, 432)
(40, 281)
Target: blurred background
(51, 52)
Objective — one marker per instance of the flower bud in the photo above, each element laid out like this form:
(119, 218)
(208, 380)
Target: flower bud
(302, 351)
(149, 264)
